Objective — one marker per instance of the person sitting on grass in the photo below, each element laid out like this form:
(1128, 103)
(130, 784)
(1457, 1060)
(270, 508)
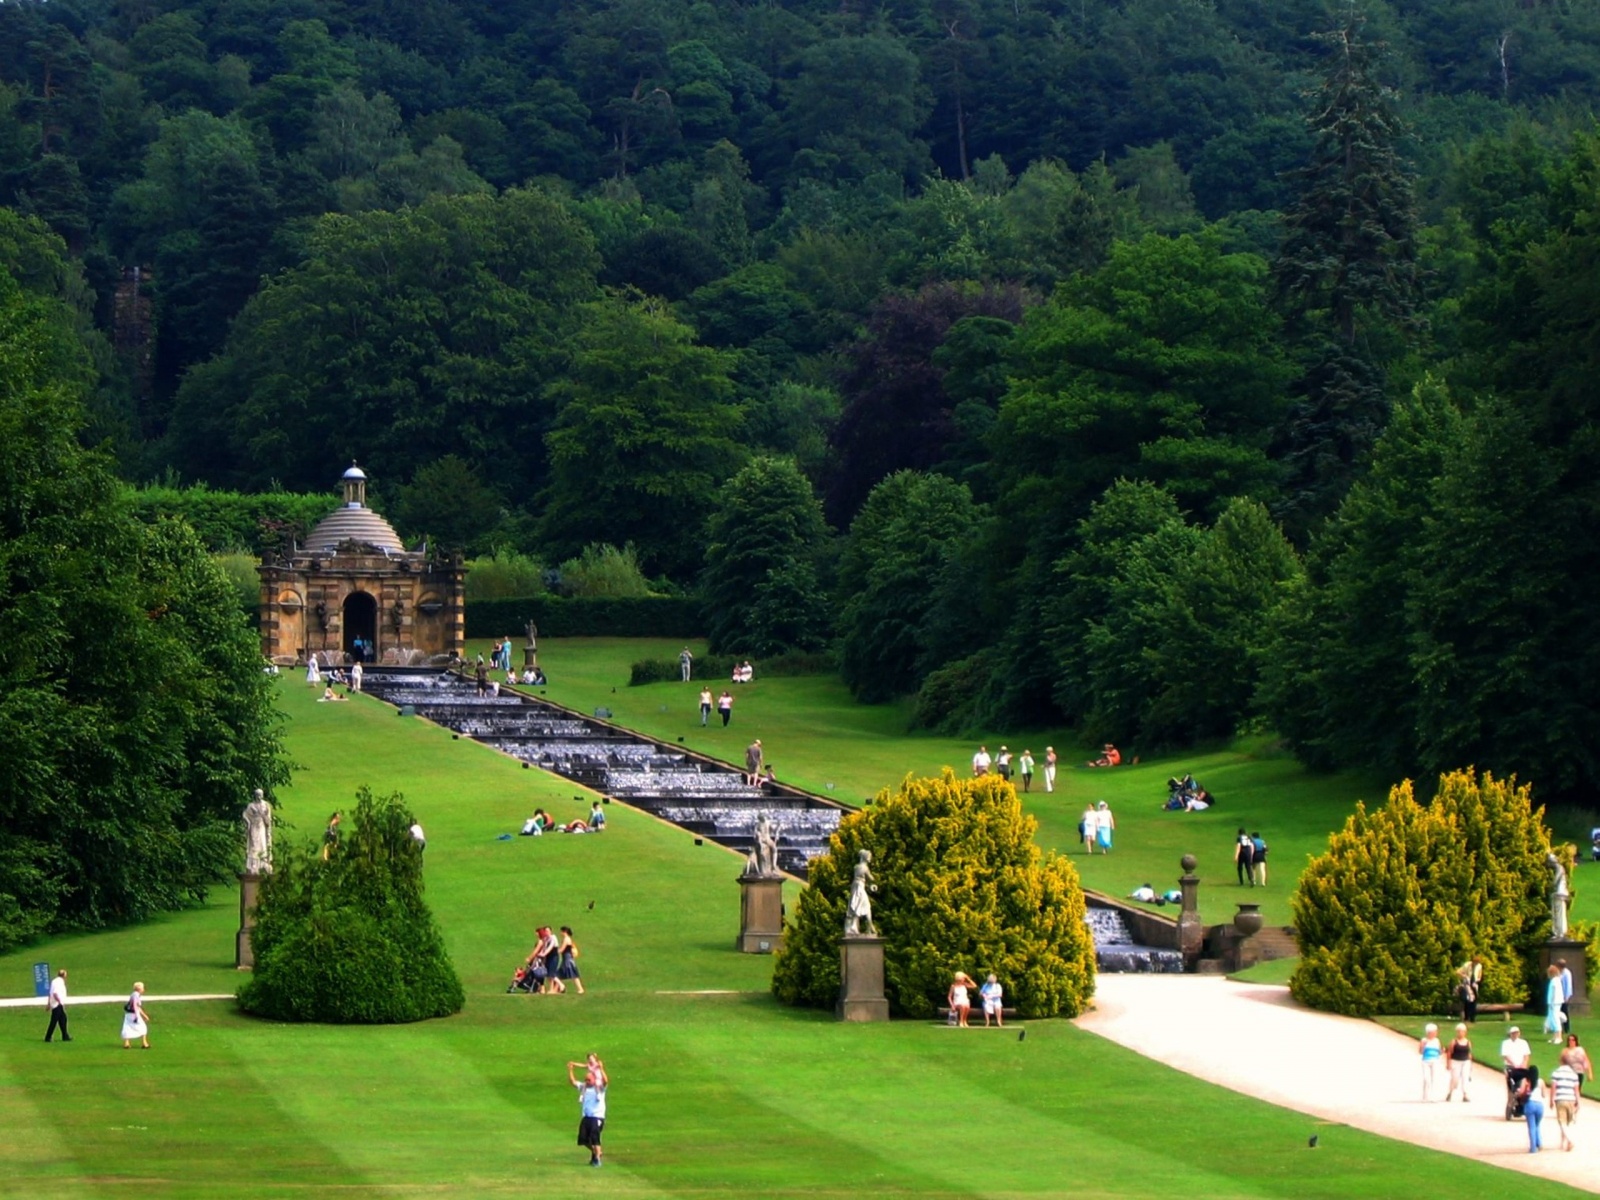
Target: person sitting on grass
(535, 825)
(597, 818)
(578, 826)
(1144, 894)
(1109, 757)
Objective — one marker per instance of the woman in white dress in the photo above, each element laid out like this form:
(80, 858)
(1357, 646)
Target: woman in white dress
(313, 675)
(135, 1024)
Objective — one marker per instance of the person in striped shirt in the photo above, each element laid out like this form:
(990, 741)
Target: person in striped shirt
(1564, 1091)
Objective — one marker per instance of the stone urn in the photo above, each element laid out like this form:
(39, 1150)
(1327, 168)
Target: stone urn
(1248, 919)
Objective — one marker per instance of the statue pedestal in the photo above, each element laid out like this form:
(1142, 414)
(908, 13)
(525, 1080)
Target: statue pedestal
(760, 914)
(1572, 951)
(861, 995)
(1191, 929)
(530, 657)
(244, 954)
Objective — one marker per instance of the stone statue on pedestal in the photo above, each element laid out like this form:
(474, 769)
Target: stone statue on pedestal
(764, 858)
(1560, 897)
(532, 631)
(258, 836)
(858, 912)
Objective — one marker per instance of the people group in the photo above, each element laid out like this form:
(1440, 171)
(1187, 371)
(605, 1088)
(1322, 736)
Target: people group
(542, 823)
(1096, 828)
(1185, 795)
(550, 966)
(991, 995)
(1250, 858)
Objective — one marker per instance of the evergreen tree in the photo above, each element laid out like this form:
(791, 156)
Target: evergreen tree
(1346, 273)
(1406, 892)
(348, 938)
(961, 884)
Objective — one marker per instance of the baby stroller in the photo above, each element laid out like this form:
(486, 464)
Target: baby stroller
(527, 978)
(1516, 1098)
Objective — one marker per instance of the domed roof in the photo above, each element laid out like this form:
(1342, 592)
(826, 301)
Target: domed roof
(354, 522)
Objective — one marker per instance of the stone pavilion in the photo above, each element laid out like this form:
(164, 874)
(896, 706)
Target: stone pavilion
(354, 578)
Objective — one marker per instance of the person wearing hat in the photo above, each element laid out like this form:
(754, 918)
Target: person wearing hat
(1002, 764)
(960, 1000)
(1105, 824)
(1516, 1054)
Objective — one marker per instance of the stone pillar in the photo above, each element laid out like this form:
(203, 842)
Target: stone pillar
(760, 914)
(861, 995)
(1565, 948)
(244, 954)
(1191, 932)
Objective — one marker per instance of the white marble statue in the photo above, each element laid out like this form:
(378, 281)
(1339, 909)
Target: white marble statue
(1560, 898)
(258, 836)
(765, 859)
(858, 912)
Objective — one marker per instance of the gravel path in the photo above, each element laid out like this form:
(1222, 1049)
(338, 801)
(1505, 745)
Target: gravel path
(1253, 1038)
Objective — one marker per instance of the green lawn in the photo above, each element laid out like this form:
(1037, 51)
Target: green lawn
(715, 1094)
(818, 737)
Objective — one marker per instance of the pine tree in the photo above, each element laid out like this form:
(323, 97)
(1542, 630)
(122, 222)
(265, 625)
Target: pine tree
(1346, 275)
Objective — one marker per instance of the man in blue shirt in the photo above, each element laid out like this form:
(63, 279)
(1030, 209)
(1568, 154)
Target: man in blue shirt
(592, 1102)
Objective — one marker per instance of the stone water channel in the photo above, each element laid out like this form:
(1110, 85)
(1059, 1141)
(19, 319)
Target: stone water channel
(702, 795)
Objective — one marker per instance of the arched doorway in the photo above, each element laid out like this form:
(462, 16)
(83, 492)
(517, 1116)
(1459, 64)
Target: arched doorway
(361, 621)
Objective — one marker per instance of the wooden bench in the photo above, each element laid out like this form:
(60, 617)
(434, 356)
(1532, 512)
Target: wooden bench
(1505, 1010)
(975, 1013)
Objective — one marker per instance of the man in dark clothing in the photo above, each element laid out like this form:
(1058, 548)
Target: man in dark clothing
(1244, 858)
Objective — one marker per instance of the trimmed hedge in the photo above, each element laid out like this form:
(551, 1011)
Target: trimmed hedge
(253, 521)
(349, 940)
(712, 667)
(560, 616)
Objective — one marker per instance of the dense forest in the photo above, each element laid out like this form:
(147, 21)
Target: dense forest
(1165, 367)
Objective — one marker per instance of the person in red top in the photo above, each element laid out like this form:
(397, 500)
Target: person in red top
(1109, 757)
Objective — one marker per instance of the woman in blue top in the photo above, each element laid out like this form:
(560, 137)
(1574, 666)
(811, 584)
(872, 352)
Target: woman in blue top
(1431, 1052)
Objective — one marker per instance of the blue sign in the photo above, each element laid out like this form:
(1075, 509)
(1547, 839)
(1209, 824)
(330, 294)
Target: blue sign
(41, 979)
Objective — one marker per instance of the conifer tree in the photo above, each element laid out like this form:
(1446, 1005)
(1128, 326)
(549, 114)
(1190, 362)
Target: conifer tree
(1346, 275)
(1406, 892)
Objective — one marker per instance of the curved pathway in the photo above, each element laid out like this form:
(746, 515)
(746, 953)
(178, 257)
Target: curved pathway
(1253, 1038)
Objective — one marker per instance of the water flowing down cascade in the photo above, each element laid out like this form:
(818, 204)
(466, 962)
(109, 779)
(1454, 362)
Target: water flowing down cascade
(1116, 951)
(708, 798)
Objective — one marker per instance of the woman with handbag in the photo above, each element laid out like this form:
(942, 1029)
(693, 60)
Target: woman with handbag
(135, 1024)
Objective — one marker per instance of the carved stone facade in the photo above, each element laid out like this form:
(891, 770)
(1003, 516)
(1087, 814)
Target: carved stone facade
(354, 578)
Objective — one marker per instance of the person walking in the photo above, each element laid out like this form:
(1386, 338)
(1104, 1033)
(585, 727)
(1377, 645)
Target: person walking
(1002, 764)
(592, 1104)
(1105, 826)
(705, 707)
(1565, 1089)
(752, 763)
(1431, 1052)
(1258, 859)
(567, 968)
(1025, 770)
(1566, 994)
(685, 663)
(1532, 1107)
(57, 1004)
(1088, 828)
(1049, 768)
(1460, 1055)
(1469, 977)
(981, 762)
(330, 838)
(1576, 1057)
(1552, 1004)
(313, 672)
(1244, 858)
(959, 999)
(725, 707)
(482, 677)
(135, 1022)
(355, 676)
(1516, 1054)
